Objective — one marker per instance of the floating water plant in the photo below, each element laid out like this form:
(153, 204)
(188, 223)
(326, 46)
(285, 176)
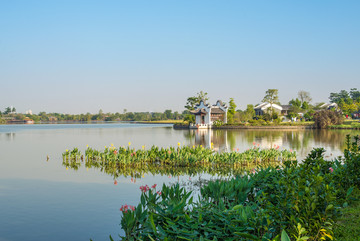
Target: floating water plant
(174, 161)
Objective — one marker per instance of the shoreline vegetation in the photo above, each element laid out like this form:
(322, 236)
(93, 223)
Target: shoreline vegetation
(347, 124)
(298, 114)
(180, 124)
(315, 199)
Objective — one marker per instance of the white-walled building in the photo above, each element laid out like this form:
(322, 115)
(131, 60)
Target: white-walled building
(206, 114)
(28, 112)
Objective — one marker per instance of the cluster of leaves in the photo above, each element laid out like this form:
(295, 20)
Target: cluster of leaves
(325, 118)
(184, 156)
(301, 198)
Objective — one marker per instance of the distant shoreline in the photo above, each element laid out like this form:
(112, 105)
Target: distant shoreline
(88, 122)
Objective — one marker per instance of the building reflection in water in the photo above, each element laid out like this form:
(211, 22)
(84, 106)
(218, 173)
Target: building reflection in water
(10, 136)
(206, 138)
(302, 141)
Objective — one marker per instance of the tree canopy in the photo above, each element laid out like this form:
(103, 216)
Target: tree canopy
(231, 111)
(194, 100)
(271, 96)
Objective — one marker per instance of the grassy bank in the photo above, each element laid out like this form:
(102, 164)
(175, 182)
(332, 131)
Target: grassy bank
(350, 124)
(347, 227)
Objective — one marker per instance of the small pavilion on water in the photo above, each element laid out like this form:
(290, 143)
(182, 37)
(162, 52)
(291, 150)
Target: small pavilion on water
(206, 115)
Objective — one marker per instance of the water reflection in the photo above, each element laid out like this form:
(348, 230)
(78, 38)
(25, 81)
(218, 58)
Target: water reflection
(10, 136)
(303, 141)
(138, 171)
(218, 139)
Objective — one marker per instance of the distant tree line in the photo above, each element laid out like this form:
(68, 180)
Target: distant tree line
(348, 103)
(9, 114)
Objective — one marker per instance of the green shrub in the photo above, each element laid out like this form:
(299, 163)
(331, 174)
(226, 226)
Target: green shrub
(218, 123)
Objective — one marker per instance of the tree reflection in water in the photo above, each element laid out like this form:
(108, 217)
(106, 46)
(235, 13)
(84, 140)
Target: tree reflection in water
(303, 141)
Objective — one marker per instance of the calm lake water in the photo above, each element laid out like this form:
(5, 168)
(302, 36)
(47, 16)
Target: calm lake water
(41, 200)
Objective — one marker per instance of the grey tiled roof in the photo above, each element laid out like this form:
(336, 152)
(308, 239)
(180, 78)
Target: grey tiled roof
(217, 111)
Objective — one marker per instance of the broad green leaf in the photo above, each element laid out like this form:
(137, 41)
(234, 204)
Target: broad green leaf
(284, 236)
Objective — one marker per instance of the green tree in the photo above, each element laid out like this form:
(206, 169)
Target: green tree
(194, 100)
(355, 95)
(305, 105)
(7, 111)
(168, 114)
(271, 96)
(231, 111)
(337, 97)
(250, 111)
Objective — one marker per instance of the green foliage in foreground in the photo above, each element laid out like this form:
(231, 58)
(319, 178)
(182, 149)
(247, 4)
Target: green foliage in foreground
(302, 198)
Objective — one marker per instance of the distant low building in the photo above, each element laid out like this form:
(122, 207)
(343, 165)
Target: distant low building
(285, 109)
(328, 106)
(206, 115)
(264, 108)
(28, 112)
(53, 119)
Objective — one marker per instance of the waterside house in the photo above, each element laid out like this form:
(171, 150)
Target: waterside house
(206, 115)
(263, 108)
(329, 106)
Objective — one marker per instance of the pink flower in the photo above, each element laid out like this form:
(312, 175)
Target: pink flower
(331, 169)
(144, 188)
(115, 182)
(277, 147)
(290, 150)
(253, 171)
(169, 176)
(115, 152)
(125, 208)
(153, 186)
(254, 143)
(158, 192)
(258, 144)
(237, 149)
(169, 152)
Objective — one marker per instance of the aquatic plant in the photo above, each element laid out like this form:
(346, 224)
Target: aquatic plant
(182, 156)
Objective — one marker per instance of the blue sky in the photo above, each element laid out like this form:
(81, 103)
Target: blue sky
(82, 56)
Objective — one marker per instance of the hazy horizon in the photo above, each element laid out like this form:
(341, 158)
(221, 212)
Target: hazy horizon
(82, 56)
